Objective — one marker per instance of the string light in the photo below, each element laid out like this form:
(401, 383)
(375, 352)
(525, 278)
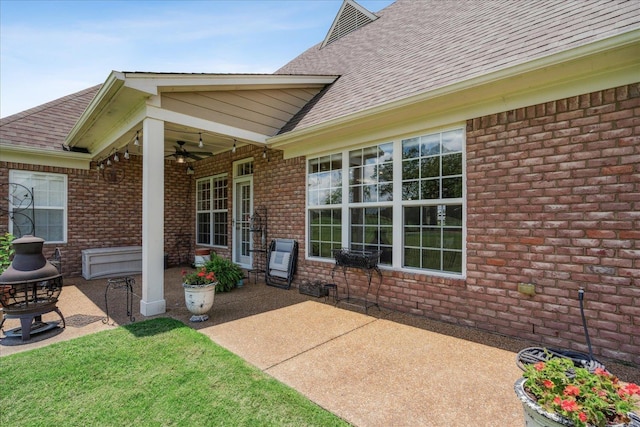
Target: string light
(137, 141)
(233, 150)
(116, 158)
(126, 154)
(200, 144)
(264, 153)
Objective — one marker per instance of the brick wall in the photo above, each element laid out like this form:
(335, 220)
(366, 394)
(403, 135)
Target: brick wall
(108, 213)
(554, 199)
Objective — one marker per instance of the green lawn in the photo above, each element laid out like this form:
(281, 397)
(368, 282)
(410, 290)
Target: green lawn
(153, 373)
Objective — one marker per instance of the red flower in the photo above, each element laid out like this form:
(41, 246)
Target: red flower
(601, 372)
(539, 366)
(583, 417)
(569, 405)
(201, 274)
(548, 383)
(571, 390)
(557, 400)
(632, 389)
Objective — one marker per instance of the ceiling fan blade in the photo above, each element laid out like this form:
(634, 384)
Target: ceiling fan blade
(193, 156)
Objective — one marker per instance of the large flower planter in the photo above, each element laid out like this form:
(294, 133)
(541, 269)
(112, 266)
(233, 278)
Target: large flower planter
(536, 416)
(199, 300)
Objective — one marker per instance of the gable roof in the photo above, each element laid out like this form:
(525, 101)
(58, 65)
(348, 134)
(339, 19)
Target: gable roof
(350, 17)
(46, 126)
(416, 47)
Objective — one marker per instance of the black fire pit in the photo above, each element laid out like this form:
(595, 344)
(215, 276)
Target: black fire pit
(30, 288)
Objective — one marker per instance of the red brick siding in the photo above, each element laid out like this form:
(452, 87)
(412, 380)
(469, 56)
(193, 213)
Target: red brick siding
(105, 214)
(554, 199)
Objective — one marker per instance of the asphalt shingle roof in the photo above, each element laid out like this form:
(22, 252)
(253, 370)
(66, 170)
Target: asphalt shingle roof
(46, 126)
(420, 46)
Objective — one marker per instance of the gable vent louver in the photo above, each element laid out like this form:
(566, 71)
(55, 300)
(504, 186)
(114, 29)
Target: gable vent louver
(351, 17)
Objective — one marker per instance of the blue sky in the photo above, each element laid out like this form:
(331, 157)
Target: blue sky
(50, 49)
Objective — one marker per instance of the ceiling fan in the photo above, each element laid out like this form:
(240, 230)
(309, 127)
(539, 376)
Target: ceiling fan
(181, 155)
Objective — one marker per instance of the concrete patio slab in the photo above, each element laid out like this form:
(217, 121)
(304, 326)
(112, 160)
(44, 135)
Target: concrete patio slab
(270, 338)
(82, 317)
(373, 372)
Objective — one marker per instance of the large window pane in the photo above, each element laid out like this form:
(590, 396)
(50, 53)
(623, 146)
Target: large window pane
(435, 233)
(211, 210)
(438, 156)
(430, 189)
(324, 232)
(38, 205)
(372, 230)
(370, 173)
(324, 181)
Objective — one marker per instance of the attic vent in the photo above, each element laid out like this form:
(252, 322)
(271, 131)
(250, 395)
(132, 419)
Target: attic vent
(351, 16)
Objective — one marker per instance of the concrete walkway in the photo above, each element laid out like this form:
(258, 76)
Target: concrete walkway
(383, 368)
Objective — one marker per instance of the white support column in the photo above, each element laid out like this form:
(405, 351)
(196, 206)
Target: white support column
(152, 301)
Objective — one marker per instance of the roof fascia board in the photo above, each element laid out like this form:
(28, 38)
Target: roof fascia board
(103, 98)
(206, 125)
(154, 84)
(36, 156)
(537, 81)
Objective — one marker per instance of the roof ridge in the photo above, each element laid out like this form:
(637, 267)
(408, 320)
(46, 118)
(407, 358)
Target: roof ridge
(47, 105)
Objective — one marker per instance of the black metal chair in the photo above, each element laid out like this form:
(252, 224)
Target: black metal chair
(282, 260)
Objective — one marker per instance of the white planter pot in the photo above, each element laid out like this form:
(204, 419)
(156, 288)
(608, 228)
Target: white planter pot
(199, 300)
(536, 416)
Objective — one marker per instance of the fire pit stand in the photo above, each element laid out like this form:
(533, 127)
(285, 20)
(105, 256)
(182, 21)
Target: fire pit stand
(30, 288)
(22, 305)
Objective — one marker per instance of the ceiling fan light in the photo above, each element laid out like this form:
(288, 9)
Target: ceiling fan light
(180, 158)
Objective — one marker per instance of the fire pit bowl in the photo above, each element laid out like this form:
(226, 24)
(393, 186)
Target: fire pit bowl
(30, 288)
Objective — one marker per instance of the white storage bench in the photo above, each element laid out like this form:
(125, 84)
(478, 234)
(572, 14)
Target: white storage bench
(104, 262)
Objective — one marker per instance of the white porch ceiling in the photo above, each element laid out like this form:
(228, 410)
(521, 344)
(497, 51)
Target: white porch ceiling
(217, 108)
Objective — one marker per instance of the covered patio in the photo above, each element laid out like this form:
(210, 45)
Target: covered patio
(186, 118)
(382, 368)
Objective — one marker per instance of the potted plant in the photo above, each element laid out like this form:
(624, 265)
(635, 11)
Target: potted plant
(555, 392)
(227, 273)
(199, 292)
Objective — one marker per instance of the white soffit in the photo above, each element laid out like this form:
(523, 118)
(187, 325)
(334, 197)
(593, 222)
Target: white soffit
(120, 101)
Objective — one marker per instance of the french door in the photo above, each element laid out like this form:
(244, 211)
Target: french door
(242, 211)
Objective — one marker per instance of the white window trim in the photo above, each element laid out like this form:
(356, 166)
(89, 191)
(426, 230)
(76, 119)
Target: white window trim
(65, 207)
(211, 179)
(397, 204)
